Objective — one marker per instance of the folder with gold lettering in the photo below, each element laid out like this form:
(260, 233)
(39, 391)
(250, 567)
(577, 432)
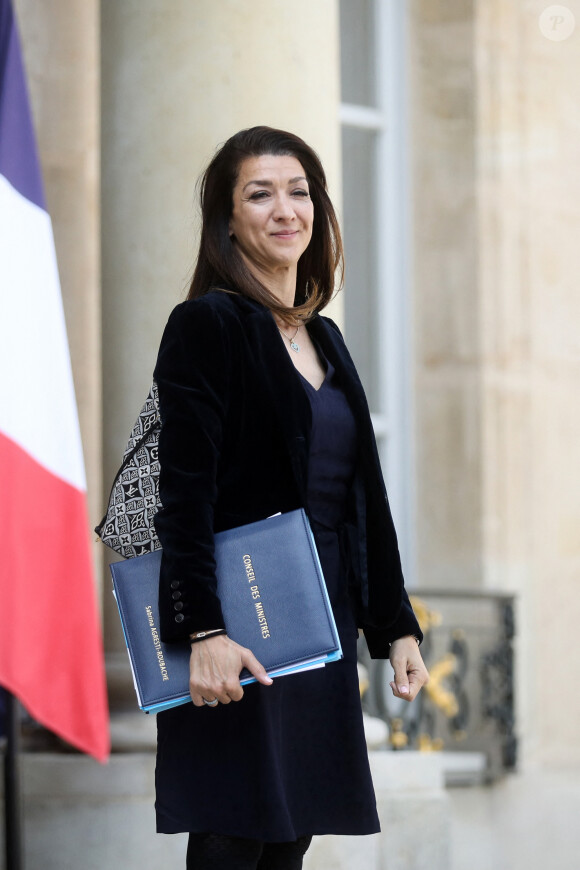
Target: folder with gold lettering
(274, 601)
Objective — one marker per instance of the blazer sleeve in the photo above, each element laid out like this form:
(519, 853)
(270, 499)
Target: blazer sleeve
(191, 374)
(379, 639)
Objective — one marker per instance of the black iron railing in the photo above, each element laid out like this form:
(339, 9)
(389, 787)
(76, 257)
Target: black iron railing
(468, 704)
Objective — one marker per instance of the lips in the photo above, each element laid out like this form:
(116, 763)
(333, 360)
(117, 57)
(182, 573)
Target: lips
(286, 234)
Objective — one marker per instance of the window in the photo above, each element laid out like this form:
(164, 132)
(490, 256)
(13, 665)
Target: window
(376, 236)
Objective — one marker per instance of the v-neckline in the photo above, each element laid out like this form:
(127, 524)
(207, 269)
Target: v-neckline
(323, 360)
(326, 374)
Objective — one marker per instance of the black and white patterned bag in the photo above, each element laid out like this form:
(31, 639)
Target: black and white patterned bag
(127, 526)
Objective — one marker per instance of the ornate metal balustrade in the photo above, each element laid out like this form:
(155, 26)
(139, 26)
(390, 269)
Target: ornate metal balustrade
(468, 704)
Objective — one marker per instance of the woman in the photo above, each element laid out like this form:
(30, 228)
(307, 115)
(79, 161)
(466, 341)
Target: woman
(262, 411)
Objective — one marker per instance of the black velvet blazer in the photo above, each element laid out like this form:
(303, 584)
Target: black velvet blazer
(233, 449)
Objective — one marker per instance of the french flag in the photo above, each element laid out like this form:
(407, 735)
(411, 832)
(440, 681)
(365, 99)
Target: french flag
(51, 651)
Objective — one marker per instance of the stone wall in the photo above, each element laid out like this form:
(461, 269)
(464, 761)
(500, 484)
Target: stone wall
(496, 121)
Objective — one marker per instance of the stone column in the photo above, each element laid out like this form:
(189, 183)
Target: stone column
(529, 221)
(178, 79)
(60, 42)
(446, 295)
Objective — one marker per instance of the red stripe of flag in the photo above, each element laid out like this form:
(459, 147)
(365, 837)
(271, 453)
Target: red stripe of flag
(52, 654)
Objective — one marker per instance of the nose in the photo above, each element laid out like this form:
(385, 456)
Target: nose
(283, 208)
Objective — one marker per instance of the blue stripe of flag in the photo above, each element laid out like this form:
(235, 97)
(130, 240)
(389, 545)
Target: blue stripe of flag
(18, 154)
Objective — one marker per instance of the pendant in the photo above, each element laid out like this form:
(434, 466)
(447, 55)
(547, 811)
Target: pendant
(295, 347)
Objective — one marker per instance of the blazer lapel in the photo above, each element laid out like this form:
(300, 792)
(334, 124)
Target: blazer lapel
(284, 392)
(286, 395)
(334, 348)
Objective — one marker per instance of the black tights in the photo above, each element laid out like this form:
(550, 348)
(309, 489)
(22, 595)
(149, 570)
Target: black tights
(219, 852)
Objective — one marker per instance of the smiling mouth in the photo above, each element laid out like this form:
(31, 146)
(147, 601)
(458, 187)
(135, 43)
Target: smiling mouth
(286, 234)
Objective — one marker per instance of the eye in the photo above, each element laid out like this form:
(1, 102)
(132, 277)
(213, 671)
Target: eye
(300, 192)
(258, 194)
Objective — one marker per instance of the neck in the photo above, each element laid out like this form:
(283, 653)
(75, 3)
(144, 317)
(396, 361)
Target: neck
(280, 282)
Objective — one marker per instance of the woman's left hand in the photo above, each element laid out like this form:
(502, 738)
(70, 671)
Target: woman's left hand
(410, 671)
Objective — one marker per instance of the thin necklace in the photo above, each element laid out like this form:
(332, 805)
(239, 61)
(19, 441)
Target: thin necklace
(293, 343)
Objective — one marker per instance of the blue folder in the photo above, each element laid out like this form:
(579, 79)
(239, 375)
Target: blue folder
(274, 601)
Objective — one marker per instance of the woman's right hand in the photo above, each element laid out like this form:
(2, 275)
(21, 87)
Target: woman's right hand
(214, 670)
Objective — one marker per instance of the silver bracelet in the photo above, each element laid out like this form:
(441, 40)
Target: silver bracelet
(405, 635)
(201, 635)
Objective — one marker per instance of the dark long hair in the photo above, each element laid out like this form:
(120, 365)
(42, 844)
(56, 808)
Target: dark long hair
(219, 262)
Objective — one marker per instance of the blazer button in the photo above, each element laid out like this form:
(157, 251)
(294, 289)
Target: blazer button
(180, 617)
(178, 605)
(176, 596)
(175, 584)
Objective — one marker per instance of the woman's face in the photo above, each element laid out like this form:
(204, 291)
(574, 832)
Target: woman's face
(272, 213)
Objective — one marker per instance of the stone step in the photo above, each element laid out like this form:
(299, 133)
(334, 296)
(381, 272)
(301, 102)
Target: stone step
(80, 814)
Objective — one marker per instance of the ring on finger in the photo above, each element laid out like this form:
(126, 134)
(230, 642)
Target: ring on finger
(213, 703)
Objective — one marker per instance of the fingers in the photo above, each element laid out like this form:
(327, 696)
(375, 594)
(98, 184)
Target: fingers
(199, 695)
(410, 672)
(215, 686)
(215, 666)
(257, 670)
(400, 687)
(405, 692)
(409, 687)
(400, 684)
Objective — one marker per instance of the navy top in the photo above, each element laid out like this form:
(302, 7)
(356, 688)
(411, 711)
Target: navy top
(332, 451)
(289, 759)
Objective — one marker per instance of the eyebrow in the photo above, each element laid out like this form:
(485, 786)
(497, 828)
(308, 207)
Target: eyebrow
(266, 183)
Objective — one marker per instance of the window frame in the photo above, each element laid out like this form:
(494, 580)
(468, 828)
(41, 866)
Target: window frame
(388, 119)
